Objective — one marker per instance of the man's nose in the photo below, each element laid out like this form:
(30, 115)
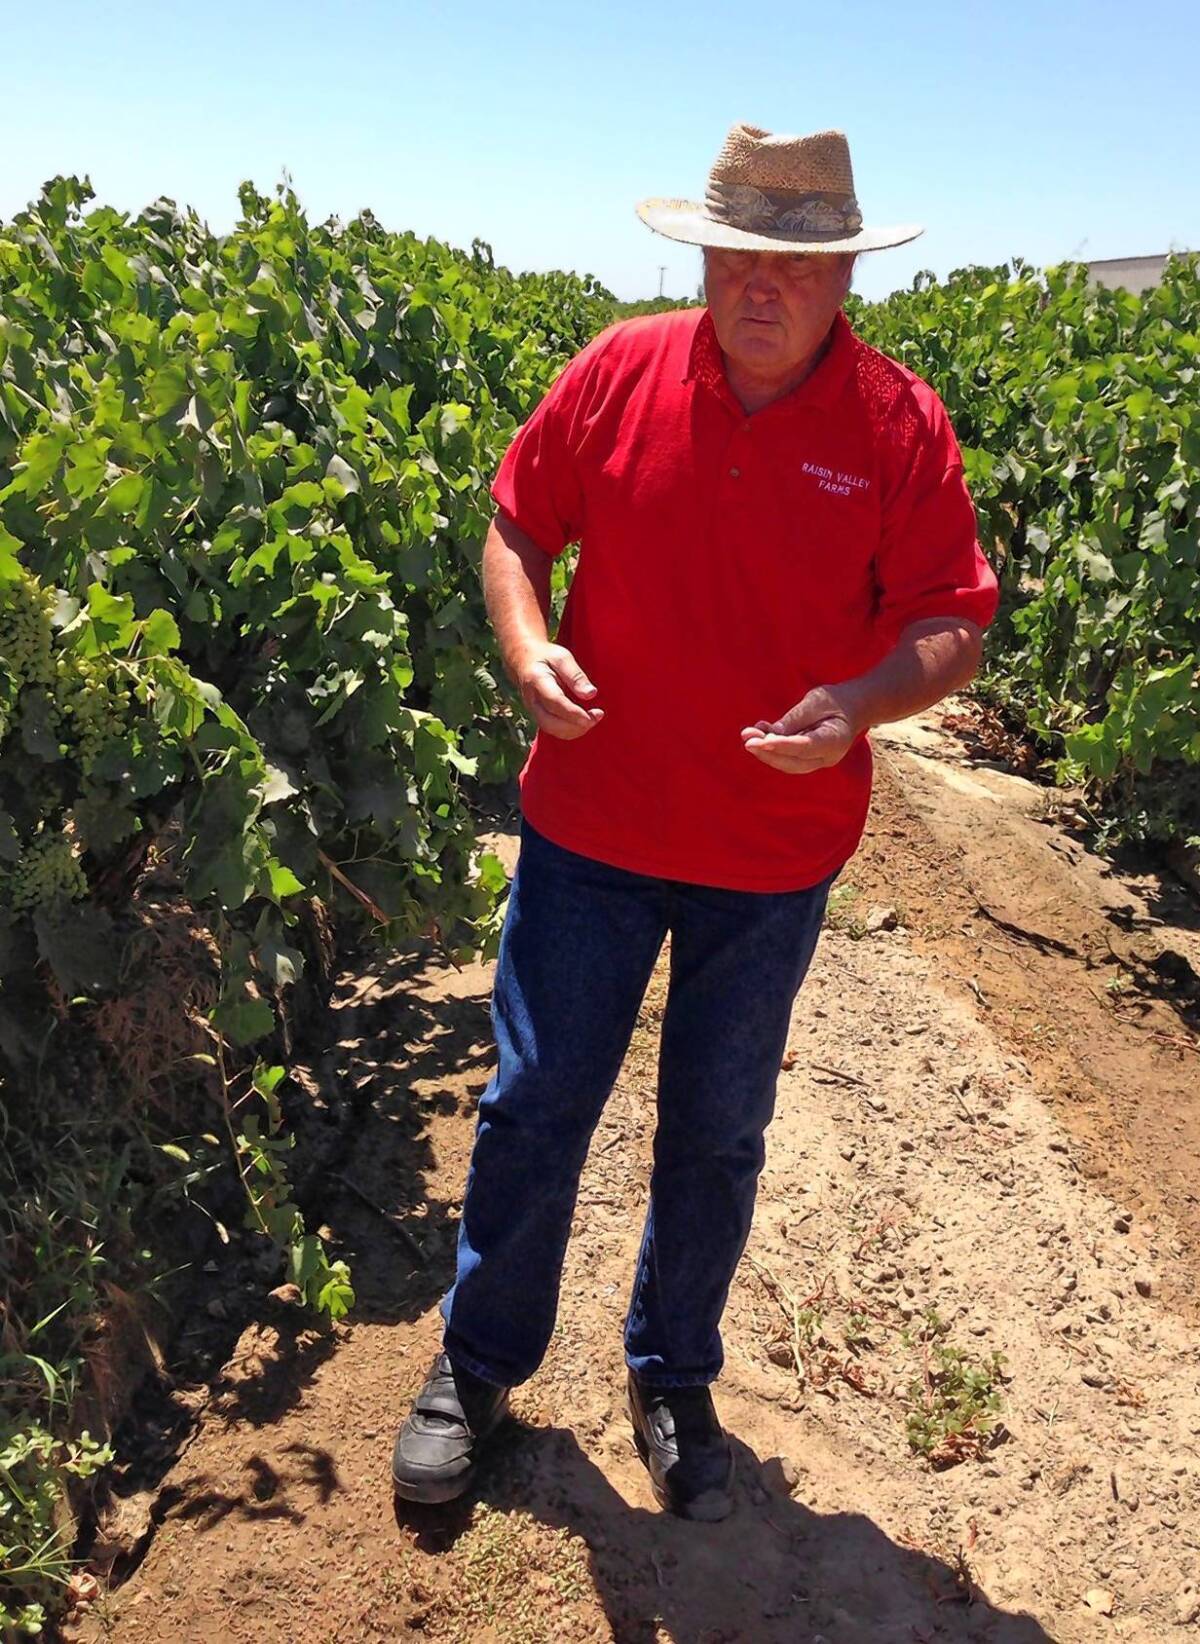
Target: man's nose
(762, 286)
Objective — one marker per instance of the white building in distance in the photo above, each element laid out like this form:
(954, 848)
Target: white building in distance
(1136, 274)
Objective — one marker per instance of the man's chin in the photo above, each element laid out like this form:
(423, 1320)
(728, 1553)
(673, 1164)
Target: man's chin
(758, 351)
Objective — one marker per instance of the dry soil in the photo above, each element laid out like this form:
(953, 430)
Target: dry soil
(990, 1108)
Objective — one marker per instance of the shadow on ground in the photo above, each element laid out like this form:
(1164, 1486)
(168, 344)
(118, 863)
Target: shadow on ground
(415, 1045)
(420, 1053)
(264, 1494)
(775, 1571)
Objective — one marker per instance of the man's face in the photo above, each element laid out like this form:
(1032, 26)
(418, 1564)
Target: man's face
(772, 309)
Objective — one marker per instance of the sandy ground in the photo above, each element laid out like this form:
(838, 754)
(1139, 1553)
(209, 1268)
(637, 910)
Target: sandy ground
(990, 1109)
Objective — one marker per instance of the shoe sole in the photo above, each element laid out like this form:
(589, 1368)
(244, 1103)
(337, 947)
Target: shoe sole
(434, 1491)
(709, 1508)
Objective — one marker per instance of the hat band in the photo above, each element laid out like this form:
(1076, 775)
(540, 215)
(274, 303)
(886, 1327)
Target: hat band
(813, 216)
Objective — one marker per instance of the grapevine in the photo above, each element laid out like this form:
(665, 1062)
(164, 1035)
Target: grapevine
(1077, 411)
(48, 870)
(243, 491)
(95, 699)
(26, 634)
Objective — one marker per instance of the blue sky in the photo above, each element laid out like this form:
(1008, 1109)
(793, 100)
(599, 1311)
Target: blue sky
(1043, 130)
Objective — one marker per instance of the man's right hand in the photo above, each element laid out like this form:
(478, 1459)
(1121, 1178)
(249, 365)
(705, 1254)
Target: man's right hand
(557, 692)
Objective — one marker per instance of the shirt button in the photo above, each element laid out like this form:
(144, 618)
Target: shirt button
(734, 473)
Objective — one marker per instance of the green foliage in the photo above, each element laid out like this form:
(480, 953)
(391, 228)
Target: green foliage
(654, 305)
(844, 911)
(243, 489)
(954, 1404)
(1078, 410)
(243, 486)
(34, 1537)
(84, 1193)
(262, 1145)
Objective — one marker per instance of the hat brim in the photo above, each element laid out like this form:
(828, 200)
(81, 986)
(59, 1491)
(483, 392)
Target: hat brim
(688, 221)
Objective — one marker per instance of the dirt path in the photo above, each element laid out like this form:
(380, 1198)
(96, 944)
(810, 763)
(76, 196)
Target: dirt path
(971, 1120)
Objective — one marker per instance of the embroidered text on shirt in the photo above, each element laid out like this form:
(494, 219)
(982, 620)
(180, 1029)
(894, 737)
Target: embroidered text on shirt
(834, 480)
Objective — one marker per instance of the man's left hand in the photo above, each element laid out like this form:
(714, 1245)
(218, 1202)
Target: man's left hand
(819, 731)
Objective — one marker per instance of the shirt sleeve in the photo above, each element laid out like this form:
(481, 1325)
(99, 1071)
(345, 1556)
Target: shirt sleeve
(538, 484)
(930, 563)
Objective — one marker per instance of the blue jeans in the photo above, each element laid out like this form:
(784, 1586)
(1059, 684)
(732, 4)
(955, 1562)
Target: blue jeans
(579, 944)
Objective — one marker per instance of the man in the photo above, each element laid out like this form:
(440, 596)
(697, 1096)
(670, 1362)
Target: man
(777, 552)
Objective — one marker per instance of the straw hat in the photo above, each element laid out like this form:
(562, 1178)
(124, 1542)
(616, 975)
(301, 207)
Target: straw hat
(772, 193)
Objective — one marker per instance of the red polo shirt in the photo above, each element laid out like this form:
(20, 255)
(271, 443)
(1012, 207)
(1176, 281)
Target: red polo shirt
(728, 563)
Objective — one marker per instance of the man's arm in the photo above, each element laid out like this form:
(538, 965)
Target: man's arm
(516, 587)
(931, 659)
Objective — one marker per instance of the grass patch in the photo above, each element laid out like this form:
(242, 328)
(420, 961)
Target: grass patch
(516, 1576)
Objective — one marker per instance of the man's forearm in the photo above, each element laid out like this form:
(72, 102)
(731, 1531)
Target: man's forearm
(930, 660)
(516, 589)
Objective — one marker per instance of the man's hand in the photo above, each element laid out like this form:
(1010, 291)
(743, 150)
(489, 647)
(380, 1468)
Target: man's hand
(932, 657)
(516, 583)
(819, 731)
(557, 692)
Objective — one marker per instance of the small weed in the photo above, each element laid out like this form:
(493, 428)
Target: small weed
(35, 1548)
(954, 1404)
(802, 1344)
(881, 1234)
(857, 1332)
(929, 1327)
(809, 1324)
(844, 912)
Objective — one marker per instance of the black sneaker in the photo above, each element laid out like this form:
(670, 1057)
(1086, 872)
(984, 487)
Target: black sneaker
(682, 1443)
(438, 1446)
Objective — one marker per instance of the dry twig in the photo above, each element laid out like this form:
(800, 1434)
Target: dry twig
(837, 1073)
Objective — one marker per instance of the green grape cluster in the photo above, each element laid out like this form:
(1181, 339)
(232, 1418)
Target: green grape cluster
(48, 869)
(95, 700)
(26, 632)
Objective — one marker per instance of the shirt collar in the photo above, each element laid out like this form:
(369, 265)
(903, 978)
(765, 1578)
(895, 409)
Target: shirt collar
(706, 366)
